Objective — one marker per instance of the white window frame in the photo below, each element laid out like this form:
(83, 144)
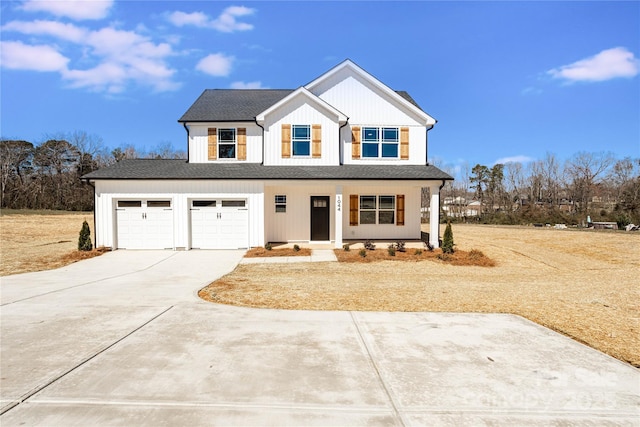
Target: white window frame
(300, 140)
(235, 143)
(377, 209)
(280, 203)
(380, 141)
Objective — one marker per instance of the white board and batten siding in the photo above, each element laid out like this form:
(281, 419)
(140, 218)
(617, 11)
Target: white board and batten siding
(367, 106)
(300, 111)
(181, 194)
(294, 225)
(411, 228)
(199, 141)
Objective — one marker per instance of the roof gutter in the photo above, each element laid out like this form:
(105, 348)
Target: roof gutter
(340, 145)
(187, 129)
(261, 127)
(426, 148)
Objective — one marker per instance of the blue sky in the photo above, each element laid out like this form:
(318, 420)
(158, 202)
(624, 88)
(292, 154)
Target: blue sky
(505, 80)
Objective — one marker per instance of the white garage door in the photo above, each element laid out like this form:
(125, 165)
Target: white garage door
(219, 224)
(144, 224)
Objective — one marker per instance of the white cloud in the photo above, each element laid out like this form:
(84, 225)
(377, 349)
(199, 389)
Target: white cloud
(74, 9)
(18, 56)
(227, 21)
(247, 85)
(606, 65)
(180, 19)
(514, 159)
(216, 64)
(116, 57)
(62, 31)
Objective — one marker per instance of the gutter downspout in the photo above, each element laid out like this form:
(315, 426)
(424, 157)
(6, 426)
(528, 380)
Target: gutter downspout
(187, 129)
(426, 148)
(340, 148)
(261, 127)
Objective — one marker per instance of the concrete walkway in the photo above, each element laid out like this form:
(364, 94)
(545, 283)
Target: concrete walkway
(317, 255)
(123, 340)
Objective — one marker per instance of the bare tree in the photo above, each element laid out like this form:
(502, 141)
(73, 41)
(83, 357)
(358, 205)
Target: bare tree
(585, 170)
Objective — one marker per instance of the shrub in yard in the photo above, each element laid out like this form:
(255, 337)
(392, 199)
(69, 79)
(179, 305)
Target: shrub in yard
(368, 245)
(444, 256)
(346, 247)
(391, 249)
(400, 246)
(268, 246)
(84, 241)
(362, 253)
(447, 240)
(296, 248)
(418, 252)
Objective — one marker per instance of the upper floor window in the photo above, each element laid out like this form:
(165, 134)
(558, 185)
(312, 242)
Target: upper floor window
(301, 140)
(227, 143)
(380, 142)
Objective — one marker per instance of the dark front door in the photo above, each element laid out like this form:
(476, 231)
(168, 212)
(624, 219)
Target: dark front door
(320, 218)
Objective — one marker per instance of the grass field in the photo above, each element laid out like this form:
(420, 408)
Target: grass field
(39, 240)
(581, 283)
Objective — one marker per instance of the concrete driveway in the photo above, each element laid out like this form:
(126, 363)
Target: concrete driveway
(123, 339)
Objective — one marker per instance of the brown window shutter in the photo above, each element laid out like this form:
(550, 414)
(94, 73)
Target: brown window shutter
(286, 141)
(400, 209)
(353, 209)
(213, 143)
(355, 142)
(404, 143)
(316, 141)
(242, 143)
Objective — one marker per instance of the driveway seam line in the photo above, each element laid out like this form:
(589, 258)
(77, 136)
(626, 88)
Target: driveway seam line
(377, 370)
(89, 283)
(38, 389)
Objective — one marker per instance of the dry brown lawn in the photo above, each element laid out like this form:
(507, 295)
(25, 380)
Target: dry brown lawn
(581, 283)
(41, 241)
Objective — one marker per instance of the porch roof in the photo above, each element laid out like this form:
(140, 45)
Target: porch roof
(136, 169)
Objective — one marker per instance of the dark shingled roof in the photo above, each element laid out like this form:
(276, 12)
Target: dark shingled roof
(180, 169)
(240, 105)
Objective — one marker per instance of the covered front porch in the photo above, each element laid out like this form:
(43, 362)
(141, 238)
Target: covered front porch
(333, 213)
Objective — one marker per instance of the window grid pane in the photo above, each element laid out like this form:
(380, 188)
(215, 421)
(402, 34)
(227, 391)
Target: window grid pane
(369, 150)
(367, 217)
(370, 134)
(386, 217)
(390, 134)
(367, 202)
(387, 202)
(389, 150)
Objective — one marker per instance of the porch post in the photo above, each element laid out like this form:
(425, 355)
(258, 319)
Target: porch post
(338, 217)
(434, 216)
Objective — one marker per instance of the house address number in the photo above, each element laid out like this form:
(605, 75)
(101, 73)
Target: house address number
(339, 203)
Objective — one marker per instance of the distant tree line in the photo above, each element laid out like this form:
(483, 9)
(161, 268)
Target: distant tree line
(47, 175)
(588, 185)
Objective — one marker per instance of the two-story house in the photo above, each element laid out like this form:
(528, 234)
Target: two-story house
(342, 157)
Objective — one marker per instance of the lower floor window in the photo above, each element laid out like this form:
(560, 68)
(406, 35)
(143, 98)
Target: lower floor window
(377, 209)
(281, 203)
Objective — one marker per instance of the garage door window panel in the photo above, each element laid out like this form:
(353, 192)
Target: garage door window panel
(129, 203)
(159, 203)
